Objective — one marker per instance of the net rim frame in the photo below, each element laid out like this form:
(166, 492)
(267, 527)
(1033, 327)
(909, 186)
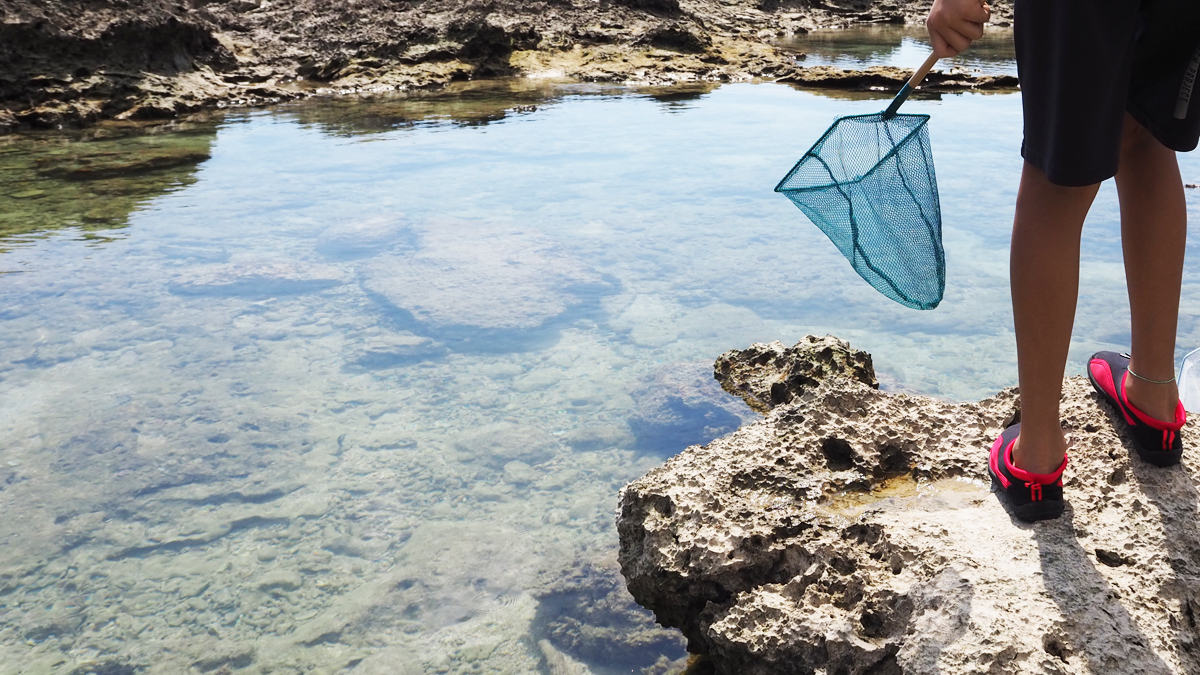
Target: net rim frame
(809, 153)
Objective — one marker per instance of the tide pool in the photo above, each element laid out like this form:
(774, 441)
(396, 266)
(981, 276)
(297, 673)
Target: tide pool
(351, 386)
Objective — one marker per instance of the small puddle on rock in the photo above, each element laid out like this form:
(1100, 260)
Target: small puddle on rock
(906, 494)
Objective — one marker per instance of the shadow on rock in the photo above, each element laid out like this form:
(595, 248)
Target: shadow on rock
(1088, 572)
(1095, 627)
(1172, 491)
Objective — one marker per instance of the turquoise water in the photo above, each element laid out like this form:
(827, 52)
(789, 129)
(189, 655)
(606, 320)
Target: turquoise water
(356, 392)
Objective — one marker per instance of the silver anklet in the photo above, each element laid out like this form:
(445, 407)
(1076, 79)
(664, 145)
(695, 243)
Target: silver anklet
(1146, 379)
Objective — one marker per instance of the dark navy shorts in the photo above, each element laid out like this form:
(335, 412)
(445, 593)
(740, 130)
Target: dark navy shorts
(1084, 63)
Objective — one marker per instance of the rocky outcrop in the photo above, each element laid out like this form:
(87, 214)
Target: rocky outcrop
(853, 531)
(767, 375)
(891, 78)
(66, 65)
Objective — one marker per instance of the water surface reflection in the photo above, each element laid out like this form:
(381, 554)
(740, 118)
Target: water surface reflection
(903, 47)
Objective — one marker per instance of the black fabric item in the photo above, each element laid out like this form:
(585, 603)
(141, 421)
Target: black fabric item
(1084, 63)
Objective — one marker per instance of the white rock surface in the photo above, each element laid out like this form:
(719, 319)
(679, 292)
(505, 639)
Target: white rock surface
(853, 531)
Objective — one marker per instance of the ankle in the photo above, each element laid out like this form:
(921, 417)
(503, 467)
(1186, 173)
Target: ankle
(1040, 453)
(1156, 400)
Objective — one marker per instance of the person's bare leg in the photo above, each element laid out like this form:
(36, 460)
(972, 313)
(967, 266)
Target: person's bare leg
(1044, 273)
(1153, 232)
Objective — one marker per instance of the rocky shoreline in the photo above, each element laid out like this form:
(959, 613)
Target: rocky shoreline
(852, 531)
(66, 66)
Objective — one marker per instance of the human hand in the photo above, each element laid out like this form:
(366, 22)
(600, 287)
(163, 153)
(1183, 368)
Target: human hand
(954, 24)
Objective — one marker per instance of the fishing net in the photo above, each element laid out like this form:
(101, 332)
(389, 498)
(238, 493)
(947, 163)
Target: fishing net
(868, 183)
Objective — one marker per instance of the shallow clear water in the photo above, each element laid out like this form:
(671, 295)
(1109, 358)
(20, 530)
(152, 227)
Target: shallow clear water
(356, 392)
(903, 47)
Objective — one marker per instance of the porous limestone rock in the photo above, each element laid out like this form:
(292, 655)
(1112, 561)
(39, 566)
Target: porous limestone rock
(766, 375)
(853, 531)
(66, 63)
(819, 77)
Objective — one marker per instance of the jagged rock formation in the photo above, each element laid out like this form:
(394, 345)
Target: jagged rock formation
(890, 78)
(70, 63)
(766, 375)
(852, 531)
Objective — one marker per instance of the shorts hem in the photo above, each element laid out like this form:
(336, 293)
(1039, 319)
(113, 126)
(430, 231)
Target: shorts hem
(1067, 178)
(1168, 139)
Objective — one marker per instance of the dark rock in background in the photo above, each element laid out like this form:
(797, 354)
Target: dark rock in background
(65, 63)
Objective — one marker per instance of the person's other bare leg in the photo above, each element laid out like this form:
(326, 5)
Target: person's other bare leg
(1153, 232)
(1044, 273)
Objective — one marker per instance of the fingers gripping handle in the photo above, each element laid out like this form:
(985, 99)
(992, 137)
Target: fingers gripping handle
(913, 83)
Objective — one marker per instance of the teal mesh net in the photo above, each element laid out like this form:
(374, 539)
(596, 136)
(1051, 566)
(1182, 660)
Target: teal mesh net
(868, 183)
